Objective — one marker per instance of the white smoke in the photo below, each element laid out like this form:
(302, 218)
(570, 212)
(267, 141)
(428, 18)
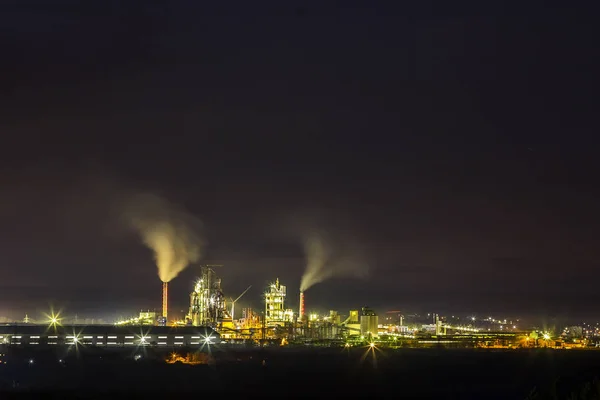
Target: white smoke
(325, 261)
(169, 231)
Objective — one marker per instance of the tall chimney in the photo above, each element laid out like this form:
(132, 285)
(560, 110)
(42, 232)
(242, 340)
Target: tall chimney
(301, 311)
(165, 296)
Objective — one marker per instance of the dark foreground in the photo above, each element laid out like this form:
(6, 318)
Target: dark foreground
(306, 373)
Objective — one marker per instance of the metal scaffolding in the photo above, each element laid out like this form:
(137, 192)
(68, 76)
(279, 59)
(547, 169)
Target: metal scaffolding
(207, 302)
(274, 304)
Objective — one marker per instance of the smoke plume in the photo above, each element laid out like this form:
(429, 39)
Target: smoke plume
(169, 231)
(324, 260)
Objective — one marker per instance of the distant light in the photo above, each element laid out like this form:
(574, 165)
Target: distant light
(31, 361)
(53, 319)
(372, 345)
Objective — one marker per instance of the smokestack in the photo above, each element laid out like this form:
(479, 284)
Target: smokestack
(301, 311)
(165, 296)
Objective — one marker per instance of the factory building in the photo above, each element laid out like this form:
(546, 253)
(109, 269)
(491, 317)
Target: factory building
(145, 318)
(275, 312)
(334, 317)
(148, 317)
(369, 323)
(207, 302)
(107, 336)
(352, 323)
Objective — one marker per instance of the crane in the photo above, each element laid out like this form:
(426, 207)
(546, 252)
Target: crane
(233, 302)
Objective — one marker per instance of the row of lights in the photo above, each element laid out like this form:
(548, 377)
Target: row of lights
(143, 340)
(348, 345)
(54, 320)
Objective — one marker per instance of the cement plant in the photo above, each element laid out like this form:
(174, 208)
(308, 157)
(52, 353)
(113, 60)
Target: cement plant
(212, 320)
(217, 349)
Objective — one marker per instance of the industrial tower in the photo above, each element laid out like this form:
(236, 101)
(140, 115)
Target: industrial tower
(369, 323)
(275, 312)
(207, 302)
(165, 301)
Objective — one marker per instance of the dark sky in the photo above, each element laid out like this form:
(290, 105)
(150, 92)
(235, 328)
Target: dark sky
(451, 149)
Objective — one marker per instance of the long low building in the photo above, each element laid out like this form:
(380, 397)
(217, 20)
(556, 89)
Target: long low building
(107, 335)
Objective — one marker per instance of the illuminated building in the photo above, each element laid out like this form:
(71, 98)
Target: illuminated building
(275, 312)
(352, 323)
(207, 302)
(352, 318)
(334, 317)
(249, 319)
(369, 323)
(145, 318)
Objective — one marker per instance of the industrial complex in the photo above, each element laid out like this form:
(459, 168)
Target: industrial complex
(211, 319)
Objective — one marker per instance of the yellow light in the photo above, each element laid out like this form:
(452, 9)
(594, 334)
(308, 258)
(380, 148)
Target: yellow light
(372, 345)
(53, 319)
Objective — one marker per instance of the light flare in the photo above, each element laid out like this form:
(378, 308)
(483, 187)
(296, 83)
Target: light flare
(53, 319)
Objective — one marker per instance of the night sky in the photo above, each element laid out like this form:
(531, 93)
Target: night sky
(450, 149)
